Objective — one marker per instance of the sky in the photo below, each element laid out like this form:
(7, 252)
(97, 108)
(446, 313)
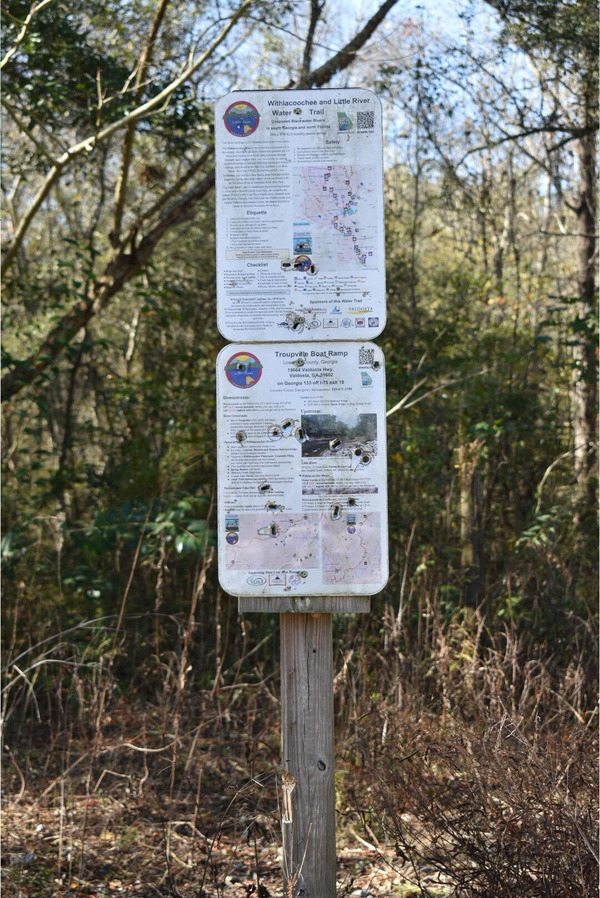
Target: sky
(445, 16)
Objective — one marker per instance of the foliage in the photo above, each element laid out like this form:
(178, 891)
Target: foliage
(110, 586)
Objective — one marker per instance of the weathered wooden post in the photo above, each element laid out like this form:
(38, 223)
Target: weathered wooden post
(308, 805)
(301, 461)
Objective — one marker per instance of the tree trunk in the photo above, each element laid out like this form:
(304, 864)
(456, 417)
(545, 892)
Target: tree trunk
(586, 367)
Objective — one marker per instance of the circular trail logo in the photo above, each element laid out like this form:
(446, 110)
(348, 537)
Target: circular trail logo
(241, 119)
(302, 263)
(243, 370)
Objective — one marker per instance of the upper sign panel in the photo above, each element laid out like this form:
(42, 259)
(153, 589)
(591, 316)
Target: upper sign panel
(300, 238)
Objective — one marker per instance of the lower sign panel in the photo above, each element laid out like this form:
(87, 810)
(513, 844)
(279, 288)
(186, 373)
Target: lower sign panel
(302, 469)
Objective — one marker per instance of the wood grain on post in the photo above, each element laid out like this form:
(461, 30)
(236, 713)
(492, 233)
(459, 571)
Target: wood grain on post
(308, 812)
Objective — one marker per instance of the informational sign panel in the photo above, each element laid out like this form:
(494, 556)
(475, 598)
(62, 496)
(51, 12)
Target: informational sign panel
(302, 469)
(300, 238)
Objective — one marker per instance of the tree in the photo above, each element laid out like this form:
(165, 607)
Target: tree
(159, 102)
(562, 39)
(481, 236)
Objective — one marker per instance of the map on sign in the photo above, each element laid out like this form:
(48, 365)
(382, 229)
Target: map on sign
(350, 553)
(291, 542)
(300, 240)
(338, 208)
(302, 506)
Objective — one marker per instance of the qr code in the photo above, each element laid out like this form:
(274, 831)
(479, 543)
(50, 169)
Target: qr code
(366, 356)
(365, 120)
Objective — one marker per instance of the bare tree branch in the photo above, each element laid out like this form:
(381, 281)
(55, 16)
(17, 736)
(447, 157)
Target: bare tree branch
(316, 8)
(121, 188)
(35, 8)
(169, 194)
(27, 131)
(89, 143)
(407, 401)
(342, 59)
(124, 267)
(131, 257)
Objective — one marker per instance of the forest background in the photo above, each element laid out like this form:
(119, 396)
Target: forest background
(139, 710)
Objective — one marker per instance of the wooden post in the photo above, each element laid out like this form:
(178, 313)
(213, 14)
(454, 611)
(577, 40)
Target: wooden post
(308, 812)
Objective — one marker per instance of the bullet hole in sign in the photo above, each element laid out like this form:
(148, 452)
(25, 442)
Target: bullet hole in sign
(351, 501)
(265, 487)
(359, 457)
(301, 435)
(335, 444)
(270, 530)
(295, 322)
(273, 507)
(336, 512)
(287, 427)
(376, 365)
(241, 436)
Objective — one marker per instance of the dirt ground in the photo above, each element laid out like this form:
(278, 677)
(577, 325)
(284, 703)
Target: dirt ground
(101, 847)
(110, 829)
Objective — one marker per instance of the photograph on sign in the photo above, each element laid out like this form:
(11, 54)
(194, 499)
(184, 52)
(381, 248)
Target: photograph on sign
(302, 500)
(300, 239)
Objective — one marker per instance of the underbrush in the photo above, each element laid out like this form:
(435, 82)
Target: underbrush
(480, 777)
(467, 771)
(497, 808)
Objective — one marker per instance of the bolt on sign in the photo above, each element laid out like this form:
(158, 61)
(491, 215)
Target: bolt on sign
(300, 236)
(302, 469)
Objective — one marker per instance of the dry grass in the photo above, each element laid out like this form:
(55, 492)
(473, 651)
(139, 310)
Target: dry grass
(131, 813)
(503, 810)
(468, 772)
(121, 832)
(482, 776)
